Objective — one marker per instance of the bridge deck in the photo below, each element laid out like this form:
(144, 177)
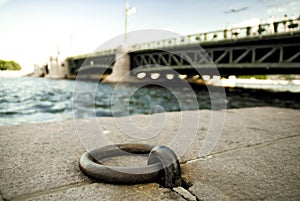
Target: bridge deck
(278, 54)
(261, 54)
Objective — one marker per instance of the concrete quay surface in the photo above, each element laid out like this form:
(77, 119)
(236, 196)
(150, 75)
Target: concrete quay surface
(257, 157)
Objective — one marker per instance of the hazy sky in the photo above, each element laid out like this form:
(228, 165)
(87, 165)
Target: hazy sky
(31, 30)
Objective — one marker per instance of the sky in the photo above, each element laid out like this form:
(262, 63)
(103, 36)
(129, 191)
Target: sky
(33, 30)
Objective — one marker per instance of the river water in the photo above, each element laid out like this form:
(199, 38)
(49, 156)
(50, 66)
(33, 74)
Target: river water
(30, 100)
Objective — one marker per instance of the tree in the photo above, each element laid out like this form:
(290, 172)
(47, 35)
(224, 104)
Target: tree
(9, 65)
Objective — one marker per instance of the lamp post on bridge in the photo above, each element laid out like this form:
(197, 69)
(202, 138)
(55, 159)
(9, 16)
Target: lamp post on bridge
(121, 66)
(128, 11)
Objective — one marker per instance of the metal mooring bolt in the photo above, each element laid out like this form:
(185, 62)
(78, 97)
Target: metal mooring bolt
(163, 165)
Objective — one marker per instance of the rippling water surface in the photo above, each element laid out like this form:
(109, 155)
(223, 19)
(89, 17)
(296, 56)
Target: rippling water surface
(29, 100)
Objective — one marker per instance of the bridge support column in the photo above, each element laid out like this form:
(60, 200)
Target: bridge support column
(121, 66)
(57, 68)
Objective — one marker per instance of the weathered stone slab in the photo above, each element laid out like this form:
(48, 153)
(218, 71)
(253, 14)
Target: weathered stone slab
(269, 171)
(256, 157)
(98, 191)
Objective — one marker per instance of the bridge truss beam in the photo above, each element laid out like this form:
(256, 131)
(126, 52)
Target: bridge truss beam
(255, 59)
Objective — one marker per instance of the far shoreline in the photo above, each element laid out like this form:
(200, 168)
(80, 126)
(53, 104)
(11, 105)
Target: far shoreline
(14, 73)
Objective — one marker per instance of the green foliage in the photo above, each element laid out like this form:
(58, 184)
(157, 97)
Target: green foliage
(9, 65)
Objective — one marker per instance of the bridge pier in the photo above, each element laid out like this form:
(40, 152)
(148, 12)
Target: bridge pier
(57, 68)
(121, 67)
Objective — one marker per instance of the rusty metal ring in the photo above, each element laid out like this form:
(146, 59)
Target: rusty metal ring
(122, 175)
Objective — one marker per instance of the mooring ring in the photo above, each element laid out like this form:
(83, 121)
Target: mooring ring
(122, 175)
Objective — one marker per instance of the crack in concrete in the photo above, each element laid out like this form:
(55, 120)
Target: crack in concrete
(260, 144)
(79, 184)
(185, 193)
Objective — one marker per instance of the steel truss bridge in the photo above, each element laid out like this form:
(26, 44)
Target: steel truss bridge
(199, 54)
(270, 55)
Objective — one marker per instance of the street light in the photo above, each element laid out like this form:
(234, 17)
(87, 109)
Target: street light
(128, 11)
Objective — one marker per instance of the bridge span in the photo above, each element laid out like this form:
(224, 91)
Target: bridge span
(248, 56)
(262, 53)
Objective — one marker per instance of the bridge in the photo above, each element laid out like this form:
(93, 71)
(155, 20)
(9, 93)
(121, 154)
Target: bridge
(264, 49)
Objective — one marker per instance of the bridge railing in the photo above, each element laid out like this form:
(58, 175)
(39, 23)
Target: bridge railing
(99, 53)
(277, 27)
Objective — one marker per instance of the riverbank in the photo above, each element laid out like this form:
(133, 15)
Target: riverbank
(275, 85)
(257, 158)
(14, 73)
